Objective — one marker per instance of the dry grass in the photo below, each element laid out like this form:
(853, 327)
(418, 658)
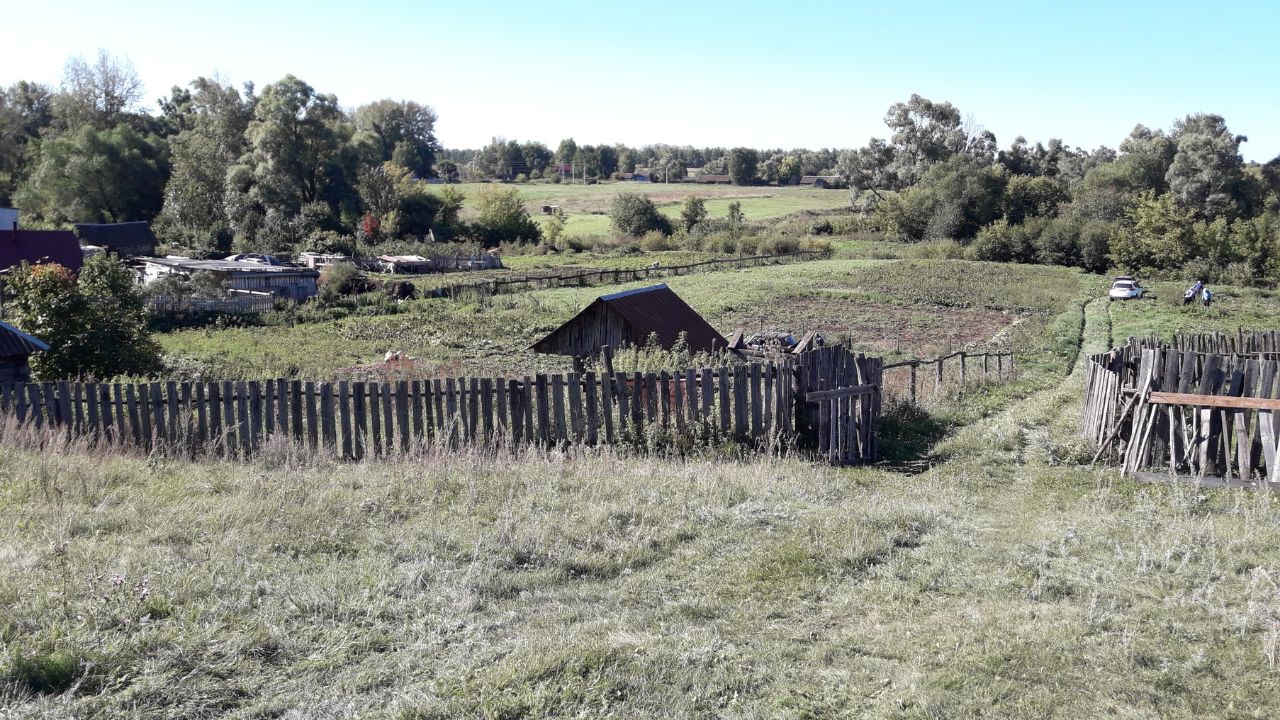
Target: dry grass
(1007, 581)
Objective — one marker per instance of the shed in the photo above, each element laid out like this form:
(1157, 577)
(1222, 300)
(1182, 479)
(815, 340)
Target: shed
(285, 281)
(714, 179)
(821, 181)
(628, 318)
(16, 347)
(129, 239)
(40, 246)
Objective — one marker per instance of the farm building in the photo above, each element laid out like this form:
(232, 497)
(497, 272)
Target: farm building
(821, 181)
(40, 246)
(714, 179)
(628, 318)
(284, 281)
(16, 347)
(131, 239)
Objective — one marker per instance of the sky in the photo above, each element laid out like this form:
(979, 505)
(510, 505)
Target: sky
(807, 73)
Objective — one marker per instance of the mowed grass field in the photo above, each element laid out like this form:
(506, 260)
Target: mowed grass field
(587, 206)
(883, 306)
(1008, 580)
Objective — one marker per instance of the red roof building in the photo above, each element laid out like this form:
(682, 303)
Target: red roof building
(40, 246)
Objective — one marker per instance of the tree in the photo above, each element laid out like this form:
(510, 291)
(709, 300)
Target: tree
(1159, 235)
(25, 111)
(1027, 196)
(214, 120)
(99, 94)
(952, 201)
(741, 164)
(633, 214)
(925, 133)
(556, 225)
(502, 217)
(96, 328)
(1206, 175)
(97, 176)
(789, 170)
(402, 132)
(294, 139)
(869, 172)
(692, 212)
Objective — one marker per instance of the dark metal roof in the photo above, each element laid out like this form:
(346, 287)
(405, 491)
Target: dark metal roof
(130, 238)
(655, 309)
(16, 342)
(36, 246)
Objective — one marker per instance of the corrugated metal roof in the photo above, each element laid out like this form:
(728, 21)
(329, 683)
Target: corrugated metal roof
(655, 309)
(230, 266)
(16, 342)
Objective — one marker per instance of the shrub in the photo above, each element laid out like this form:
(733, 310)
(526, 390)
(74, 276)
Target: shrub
(654, 241)
(633, 214)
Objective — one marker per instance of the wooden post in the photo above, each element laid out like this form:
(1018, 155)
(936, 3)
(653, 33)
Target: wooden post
(912, 396)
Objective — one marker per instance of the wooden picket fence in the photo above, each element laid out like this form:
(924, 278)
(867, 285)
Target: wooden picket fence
(1177, 409)
(959, 367)
(584, 278)
(754, 404)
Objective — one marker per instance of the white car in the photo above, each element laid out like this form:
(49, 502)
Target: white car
(1126, 288)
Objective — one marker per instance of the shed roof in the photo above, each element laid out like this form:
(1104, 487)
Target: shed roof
(654, 309)
(231, 266)
(121, 238)
(36, 246)
(16, 342)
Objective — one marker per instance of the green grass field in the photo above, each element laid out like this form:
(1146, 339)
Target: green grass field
(893, 307)
(588, 205)
(1009, 579)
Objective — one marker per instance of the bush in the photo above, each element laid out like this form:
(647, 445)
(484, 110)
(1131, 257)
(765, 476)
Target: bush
(633, 214)
(654, 241)
(1002, 242)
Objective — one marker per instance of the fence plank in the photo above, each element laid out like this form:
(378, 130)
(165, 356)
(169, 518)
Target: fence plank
(328, 426)
(388, 417)
(473, 409)
(255, 415)
(623, 396)
(577, 419)
(346, 412)
(592, 408)
(526, 405)
(557, 407)
(313, 427)
(515, 405)
(756, 400)
(244, 426)
(544, 410)
(740, 395)
(375, 417)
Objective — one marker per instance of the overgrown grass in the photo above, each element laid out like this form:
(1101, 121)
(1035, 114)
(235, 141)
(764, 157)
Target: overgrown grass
(1007, 582)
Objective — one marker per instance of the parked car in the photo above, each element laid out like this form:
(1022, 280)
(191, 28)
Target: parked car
(1126, 288)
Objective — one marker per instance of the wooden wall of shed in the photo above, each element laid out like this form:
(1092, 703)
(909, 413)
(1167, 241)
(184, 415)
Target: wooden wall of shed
(585, 335)
(14, 369)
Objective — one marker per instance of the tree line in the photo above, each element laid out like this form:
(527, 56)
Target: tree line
(287, 168)
(1178, 203)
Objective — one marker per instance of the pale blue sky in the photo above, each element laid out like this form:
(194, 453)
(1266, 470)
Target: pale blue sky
(779, 74)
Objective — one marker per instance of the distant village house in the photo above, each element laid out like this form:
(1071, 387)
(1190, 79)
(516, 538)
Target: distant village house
(293, 283)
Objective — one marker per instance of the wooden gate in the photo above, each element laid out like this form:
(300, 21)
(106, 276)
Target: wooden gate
(845, 421)
(839, 418)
